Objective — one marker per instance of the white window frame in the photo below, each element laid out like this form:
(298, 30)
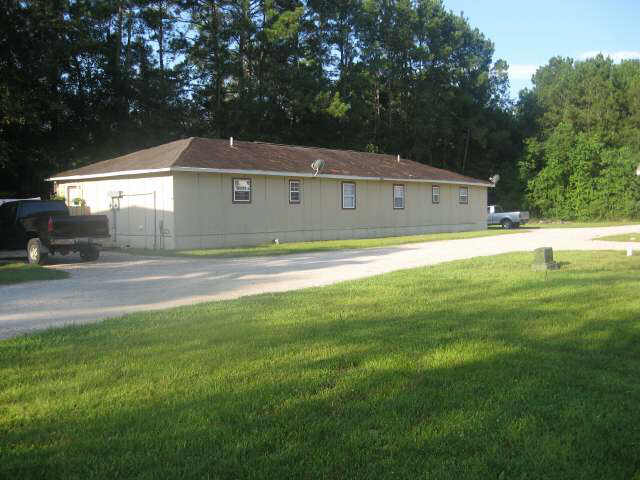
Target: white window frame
(293, 181)
(354, 196)
(463, 195)
(401, 188)
(77, 192)
(235, 190)
(435, 193)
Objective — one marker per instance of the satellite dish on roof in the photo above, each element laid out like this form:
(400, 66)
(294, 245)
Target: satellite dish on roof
(316, 166)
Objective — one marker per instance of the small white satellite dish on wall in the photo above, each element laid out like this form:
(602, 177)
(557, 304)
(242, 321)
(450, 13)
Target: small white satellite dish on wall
(316, 166)
(494, 179)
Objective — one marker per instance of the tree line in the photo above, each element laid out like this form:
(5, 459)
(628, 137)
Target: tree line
(581, 130)
(86, 80)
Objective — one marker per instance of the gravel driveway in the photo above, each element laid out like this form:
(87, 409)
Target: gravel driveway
(120, 283)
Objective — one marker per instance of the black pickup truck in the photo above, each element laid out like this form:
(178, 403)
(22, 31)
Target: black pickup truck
(39, 228)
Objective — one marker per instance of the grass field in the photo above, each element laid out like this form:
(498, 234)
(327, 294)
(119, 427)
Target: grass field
(468, 370)
(535, 223)
(626, 237)
(21, 272)
(322, 246)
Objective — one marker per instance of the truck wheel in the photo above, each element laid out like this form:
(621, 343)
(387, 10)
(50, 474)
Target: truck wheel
(35, 255)
(507, 224)
(89, 254)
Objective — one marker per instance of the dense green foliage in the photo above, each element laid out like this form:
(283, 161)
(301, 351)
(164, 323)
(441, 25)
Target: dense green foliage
(84, 80)
(347, 381)
(581, 121)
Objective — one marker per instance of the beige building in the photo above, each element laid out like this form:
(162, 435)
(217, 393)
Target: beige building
(198, 193)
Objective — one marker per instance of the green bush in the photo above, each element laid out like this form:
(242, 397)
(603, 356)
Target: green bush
(581, 178)
(582, 139)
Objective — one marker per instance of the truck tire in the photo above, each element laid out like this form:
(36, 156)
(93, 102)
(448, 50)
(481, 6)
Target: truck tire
(506, 224)
(35, 253)
(89, 254)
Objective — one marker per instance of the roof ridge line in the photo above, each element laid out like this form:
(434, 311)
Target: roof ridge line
(183, 150)
(309, 147)
(214, 153)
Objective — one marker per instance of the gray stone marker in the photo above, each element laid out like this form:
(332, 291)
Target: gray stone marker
(543, 259)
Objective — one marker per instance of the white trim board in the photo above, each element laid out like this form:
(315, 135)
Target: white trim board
(271, 173)
(123, 173)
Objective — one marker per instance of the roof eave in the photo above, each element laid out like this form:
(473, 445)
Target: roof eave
(122, 173)
(266, 173)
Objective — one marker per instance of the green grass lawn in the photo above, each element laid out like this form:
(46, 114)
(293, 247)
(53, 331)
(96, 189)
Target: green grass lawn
(478, 369)
(322, 246)
(626, 237)
(21, 272)
(536, 223)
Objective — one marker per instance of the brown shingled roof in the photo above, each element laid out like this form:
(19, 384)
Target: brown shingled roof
(218, 154)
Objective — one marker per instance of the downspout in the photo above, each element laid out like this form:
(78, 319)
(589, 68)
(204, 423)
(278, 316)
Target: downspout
(115, 225)
(155, 221)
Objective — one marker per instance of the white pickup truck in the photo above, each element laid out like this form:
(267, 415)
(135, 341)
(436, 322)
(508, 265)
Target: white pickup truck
(496, 216)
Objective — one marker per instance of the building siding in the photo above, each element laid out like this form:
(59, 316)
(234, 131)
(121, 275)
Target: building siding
(196, 210)
(205, 215)
(140, 217)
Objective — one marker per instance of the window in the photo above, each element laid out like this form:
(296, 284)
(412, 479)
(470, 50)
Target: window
(398, 197)
(348, 195)
(435, 194)
(464, 195)
(73, 192)
(241, 190)
(295, 191)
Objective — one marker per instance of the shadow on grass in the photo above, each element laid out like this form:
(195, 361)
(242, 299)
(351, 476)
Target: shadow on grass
(347, 381)
(21, 272)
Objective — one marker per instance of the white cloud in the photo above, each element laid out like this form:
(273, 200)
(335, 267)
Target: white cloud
(615, 56)
(522, 72)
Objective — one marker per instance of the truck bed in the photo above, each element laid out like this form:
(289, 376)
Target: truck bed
(79, 226)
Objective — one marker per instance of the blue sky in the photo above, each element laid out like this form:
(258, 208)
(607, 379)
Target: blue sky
(528, 33)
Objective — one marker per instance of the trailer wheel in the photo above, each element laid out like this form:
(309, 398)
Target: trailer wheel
(35, 255)
(89, 254)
